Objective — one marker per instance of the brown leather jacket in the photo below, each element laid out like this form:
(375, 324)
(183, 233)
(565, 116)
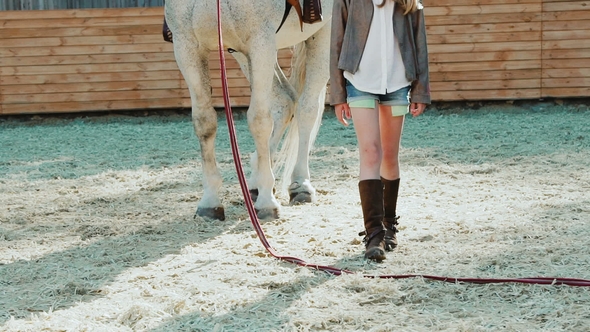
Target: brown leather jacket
(351, 20)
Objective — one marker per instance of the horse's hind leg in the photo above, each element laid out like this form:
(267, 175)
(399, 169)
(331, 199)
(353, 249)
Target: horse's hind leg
(193, 63)
(262, 58)
(283, 100)
(309, 113)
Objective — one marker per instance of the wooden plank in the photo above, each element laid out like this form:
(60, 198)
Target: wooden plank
(483, 19)
(113, 105)
(486, 85)
(236, 91)
(567, 25)
(486, 95)
(20, 15)
(489, 75)
(242, 101)
(448, 3)
(79, 97)
(81, 50)
(90, 78)
(94, 87)
(483, 28)
(1, 100)
(17, 33)
(566, 72)
(566, 54)
(566, 92)
(484, 47)
(81, 22)
(111, 86)
(571, 63)
(70, 107)
(483, 56)
(564, 16)
(483, 9)
(483, 67)
(86, 59)
(89, 68)
(94, 96)
(457, 38)
(566, 34)
(566, 6)
(81, 41)
(232, 82)
(566, 44)
(566, 82)
(109, 77)
(1, 95)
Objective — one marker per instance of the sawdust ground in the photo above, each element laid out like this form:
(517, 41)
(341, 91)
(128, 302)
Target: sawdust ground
(97, 230)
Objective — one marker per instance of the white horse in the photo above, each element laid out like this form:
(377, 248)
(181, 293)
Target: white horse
(249, 32)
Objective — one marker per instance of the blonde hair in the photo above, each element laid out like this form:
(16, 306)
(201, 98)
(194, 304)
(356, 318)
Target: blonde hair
(410, 6)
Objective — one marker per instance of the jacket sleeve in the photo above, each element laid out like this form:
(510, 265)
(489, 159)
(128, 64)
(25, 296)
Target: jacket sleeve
(337, 82)
(420, 87)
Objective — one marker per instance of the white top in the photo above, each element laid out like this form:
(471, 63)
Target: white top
(381, 69)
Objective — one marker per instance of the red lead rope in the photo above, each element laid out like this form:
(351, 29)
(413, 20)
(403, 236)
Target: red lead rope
(330, 269)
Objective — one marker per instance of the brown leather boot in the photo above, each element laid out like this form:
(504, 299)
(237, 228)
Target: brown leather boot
(390, 192)
(371, 192)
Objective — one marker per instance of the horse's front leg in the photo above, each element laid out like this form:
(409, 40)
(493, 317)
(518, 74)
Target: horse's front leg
(262, 58)
(309, 113)
(193, 63)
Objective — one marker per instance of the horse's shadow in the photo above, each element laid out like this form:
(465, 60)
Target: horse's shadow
(63, 279)
(267, 313)
(60, 280)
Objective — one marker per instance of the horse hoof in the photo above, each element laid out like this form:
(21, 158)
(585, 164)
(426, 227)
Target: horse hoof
(300, 198)
(253, 194)
(217, 213)
(267, 214)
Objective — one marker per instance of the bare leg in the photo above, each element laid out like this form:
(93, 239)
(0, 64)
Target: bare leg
(391, 128)
(366, 125)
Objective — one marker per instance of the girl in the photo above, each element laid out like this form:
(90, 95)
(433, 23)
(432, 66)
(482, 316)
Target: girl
(378, 74)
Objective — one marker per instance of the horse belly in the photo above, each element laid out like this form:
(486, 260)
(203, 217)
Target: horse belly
(291, 34)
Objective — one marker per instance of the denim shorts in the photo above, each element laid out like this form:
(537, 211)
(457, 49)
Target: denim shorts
(357, 98)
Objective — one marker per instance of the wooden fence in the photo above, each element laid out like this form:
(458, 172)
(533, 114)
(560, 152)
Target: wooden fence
(56, 61)
(509, 49)
(75, 4)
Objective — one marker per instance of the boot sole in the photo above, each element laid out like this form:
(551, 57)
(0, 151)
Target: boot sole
(375, 254)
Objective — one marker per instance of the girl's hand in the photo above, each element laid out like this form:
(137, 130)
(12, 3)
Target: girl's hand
(342, 113)
(417, 109)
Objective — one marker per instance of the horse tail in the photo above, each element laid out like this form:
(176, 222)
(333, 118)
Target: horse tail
(297, 77)
(287, 154)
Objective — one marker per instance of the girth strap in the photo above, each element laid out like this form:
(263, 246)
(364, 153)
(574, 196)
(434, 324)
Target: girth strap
(167, 34)
(312, 11)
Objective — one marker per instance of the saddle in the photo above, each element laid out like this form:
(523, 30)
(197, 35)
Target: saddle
(310, 13)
